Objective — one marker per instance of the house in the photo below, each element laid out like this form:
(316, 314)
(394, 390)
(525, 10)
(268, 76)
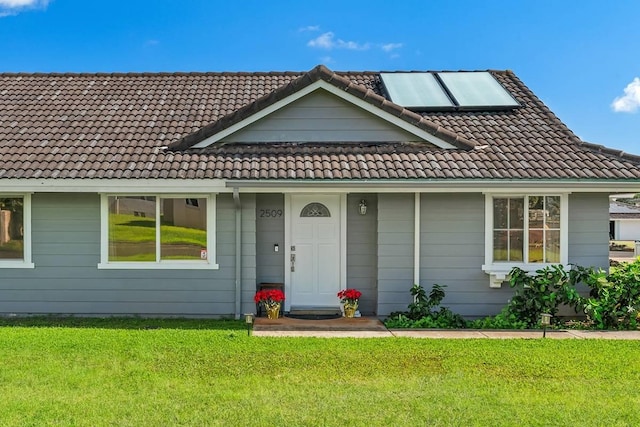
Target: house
(177, 194)
(624, 221)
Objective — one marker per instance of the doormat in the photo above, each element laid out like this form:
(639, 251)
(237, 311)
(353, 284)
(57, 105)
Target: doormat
(314, 316)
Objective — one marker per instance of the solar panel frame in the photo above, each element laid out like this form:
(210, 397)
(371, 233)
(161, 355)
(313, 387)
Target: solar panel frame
(477, 91)
(417, 91)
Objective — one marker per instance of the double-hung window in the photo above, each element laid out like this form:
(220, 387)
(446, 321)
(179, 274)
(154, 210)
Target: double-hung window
(15, 231)
(526, 231)
(158, 231)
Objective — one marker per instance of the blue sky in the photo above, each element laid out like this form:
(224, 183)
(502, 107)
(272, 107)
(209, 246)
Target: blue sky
(581, 57)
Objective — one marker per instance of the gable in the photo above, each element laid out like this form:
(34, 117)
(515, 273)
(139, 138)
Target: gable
(321, 117)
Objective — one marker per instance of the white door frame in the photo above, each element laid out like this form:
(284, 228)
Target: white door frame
(287, 245)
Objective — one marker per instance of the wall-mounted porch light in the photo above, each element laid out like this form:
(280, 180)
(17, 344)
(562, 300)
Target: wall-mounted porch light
(363, 207)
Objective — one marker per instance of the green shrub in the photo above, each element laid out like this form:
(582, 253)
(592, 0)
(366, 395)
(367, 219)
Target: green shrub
(422, 311)
(544, 292)
(503, 320)
(614, 298)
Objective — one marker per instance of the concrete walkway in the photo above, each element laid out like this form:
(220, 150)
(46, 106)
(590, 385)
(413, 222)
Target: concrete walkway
(371, 327)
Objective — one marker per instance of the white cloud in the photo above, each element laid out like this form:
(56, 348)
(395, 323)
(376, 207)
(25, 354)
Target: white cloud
(327, 41)
(13, 7)
(391, 46)
(323, 41)
(630, 101)
(311, 28)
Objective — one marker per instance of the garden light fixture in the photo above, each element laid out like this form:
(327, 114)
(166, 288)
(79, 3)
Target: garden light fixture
(248, 319)
(545, 321)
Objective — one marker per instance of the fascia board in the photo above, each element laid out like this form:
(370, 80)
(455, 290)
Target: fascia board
(321, 84)
(197, 186)
(119, 186)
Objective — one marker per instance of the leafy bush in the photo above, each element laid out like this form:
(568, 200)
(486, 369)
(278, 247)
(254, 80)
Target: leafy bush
(544, 292)
(422, 311)
(503, 320)
(614, 299)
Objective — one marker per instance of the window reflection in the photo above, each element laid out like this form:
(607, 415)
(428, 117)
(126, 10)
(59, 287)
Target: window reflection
(12, 228)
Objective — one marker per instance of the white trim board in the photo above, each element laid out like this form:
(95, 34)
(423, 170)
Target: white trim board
(210, 264)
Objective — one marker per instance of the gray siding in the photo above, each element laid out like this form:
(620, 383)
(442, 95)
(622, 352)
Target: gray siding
(452, 253)
(248, 236)
(395, 251)
(362, 239)
(269, 232)
(66, 280)
(320, 117)
(589, 230)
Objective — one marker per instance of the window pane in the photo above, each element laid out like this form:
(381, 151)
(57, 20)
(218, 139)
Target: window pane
(552, 246)
(536, 211)
(132, 228)
(516, 213)
(536, 239)
(500, 213)
(553, 211)
(516, 245)
(183, 229)
(11, 228)
(500, 246)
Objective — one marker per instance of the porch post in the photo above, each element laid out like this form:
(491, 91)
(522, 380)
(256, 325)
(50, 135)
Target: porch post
(238, 263)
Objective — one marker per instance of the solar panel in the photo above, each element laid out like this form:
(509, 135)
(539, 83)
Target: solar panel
(467, 90)
(477, 90)
(416, 90)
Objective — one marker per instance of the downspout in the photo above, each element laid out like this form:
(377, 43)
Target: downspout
(416, 239)
(238, 275)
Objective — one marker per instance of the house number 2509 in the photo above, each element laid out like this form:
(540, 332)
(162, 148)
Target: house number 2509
(270, 213)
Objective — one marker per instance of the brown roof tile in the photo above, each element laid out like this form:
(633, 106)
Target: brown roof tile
(117, 125)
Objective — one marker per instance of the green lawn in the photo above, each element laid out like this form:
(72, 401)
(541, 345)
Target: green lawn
(137, 372)
(129, 228)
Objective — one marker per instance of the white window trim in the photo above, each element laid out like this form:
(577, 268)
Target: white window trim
(499, 271)
(209, 264)
(26, 262)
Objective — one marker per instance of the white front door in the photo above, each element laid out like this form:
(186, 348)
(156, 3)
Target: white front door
(315, 250)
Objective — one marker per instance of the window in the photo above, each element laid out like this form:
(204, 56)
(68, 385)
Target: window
(315, 210)
(526, 231)
(162, 231)
(15, 231)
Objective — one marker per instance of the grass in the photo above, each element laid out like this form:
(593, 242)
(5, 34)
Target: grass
(137, 372)
(130, 228)
(124, 229)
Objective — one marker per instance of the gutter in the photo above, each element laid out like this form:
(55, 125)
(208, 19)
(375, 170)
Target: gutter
(435, 186)
(238, 273)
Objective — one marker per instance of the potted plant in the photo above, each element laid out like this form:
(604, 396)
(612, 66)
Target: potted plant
(349, 299)
(271, 300)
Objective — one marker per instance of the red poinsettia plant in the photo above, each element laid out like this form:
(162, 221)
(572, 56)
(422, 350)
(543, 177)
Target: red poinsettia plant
(349, 296)
(269, 297)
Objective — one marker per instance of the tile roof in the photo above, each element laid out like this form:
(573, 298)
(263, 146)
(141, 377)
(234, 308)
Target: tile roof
(120, 125)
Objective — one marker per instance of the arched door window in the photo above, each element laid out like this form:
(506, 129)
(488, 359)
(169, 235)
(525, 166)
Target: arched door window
(315, 210)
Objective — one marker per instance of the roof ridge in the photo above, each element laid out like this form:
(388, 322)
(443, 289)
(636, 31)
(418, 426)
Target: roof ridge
(542, 106)
(598, 148)
(229, 73)
(151, 73)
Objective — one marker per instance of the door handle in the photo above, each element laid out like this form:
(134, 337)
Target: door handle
(293, 262)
